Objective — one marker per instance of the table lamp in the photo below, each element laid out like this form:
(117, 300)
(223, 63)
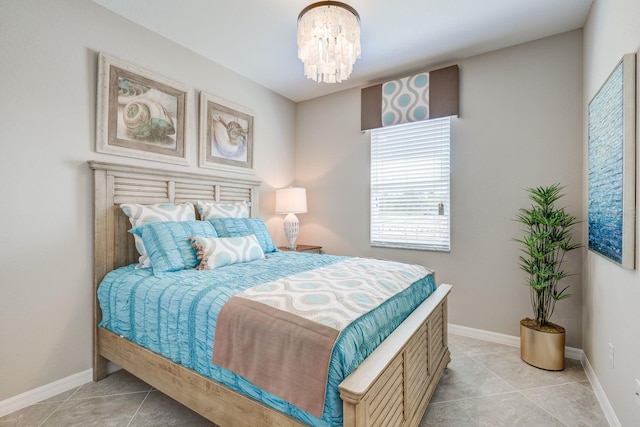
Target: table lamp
(291, 201)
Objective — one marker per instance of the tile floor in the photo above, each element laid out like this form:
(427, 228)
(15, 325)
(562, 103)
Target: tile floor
(486, 384)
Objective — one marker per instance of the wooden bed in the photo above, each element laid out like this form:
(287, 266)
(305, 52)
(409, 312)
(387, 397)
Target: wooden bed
(392, 387)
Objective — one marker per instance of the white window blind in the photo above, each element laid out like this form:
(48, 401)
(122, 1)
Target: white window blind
(410, 185)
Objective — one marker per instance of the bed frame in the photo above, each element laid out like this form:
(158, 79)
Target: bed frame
(392, 387)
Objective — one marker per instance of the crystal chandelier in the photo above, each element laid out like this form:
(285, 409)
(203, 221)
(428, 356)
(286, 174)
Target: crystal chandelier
(328, 40)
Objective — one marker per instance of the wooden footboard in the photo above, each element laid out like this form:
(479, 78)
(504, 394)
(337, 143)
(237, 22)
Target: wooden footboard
(393, 386)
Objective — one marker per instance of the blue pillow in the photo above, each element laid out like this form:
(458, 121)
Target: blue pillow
(237, 227)
(168, 244)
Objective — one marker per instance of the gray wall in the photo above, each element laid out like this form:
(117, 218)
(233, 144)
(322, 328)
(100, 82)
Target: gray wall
(48, 51)
(520, 126)
(611, 300)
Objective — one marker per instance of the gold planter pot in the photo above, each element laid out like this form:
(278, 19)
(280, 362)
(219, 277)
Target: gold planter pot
(542, 349)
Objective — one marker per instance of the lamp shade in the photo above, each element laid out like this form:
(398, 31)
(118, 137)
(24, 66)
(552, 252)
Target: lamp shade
(291, 200)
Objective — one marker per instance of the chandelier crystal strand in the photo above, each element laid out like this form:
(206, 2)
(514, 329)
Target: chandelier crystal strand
(328, 41)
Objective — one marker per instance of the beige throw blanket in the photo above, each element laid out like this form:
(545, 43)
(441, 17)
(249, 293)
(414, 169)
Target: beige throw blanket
(277, 351)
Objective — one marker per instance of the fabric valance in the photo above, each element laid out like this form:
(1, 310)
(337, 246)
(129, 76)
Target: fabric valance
(421, 96)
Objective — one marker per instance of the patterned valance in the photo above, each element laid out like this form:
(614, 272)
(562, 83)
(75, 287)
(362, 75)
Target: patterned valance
(422, 96)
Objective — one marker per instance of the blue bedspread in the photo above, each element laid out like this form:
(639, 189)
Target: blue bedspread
(175, 316)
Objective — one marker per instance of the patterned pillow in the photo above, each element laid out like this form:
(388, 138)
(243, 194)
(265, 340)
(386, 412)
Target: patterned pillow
(218, 252)
(168, 245)
(234, 227)
(209, 210)
(144, 214)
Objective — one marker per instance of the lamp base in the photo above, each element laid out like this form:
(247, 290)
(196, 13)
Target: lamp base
(291, 227)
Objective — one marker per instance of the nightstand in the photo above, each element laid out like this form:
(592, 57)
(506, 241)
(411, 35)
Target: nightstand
(303, 248)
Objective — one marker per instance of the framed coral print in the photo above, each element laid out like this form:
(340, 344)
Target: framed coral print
(226, 135)
(611, 155)
(141, 114)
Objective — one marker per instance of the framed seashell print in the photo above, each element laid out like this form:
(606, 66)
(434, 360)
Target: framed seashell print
(141, 114)
(226, 135)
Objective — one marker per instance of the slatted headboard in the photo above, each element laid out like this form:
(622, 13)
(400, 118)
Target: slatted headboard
(115, 184)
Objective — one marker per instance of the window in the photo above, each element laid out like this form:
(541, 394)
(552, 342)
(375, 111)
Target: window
(410, 185)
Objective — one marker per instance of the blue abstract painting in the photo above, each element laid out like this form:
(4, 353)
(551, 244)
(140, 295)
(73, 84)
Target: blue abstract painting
(610, 231)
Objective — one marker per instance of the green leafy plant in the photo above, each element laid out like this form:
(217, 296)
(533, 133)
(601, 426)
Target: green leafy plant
(546, 240)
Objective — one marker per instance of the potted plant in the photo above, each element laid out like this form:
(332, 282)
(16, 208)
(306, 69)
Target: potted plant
(548, 232)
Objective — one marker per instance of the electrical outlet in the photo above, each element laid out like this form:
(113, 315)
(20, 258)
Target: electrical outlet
(611, 355)
(637, 398)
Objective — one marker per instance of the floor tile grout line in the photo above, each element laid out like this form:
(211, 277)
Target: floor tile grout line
(455, 402)
(514, 392)
(568, 380)
(494, 353)
(482, 343)
(580, 383)
(139, 407)
(52, 412)
(490, 372)
(549, 386)
(60, 405)
(52, 400)
(493, 373)
(69, 400)
(109, 395)
(477, 397)
(538, 406)
(74, 393)
(505, 349)
(473, 420)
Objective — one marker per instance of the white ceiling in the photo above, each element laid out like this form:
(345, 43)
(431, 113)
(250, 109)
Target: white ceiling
(257, 38)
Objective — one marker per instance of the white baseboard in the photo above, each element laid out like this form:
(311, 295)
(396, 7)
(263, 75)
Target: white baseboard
(510, 340)
(39, 394)
(600, 395)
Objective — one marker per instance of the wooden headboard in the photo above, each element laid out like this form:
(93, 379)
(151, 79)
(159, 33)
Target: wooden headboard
(115, 184)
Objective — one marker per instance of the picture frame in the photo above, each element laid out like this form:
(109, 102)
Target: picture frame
(612, 166)
(226, 135)
(141, 114)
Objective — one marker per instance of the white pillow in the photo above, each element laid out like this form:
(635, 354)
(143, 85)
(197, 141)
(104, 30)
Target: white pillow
(210, 210)
(145, 214)
(214, 252)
